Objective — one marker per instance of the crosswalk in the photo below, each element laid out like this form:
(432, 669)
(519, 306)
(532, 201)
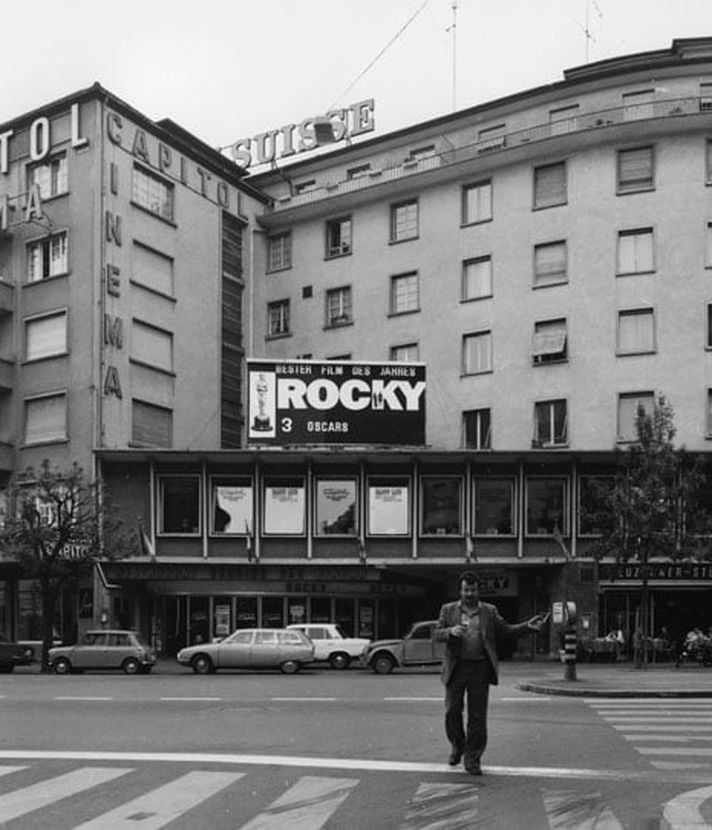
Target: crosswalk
(672, 734)
(101, 797)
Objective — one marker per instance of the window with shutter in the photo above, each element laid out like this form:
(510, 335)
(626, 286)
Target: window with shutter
(152, 346)
(152, 269)
(635, 169)
(46, 419)
(549, 342)
(635, 251)
(628, 404)
(477, 353)
(151, 425)
(550, 267)
(550, 185)
(636, 331)
(46, 336)
(477, 278)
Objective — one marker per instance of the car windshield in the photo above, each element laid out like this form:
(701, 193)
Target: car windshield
(340, 631)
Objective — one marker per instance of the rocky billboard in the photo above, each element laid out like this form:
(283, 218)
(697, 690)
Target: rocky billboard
(335, 402)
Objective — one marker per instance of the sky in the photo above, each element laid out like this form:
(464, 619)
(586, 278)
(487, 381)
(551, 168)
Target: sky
(228, 69)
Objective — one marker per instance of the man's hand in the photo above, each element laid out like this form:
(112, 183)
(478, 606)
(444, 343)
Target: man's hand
(537, 621)
(458, 630)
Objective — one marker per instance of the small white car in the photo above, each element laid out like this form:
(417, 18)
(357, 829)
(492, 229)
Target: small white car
(332, 645)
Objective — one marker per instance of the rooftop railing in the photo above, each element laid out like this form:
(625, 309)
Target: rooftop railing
(581, 122)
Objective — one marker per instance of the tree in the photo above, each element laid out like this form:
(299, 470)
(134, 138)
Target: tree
(56, 528)
(654, 507)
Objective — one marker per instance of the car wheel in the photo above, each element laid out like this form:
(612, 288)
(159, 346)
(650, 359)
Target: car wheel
(383, 664)
(202, 664)
(339, 660)
(290, 667)
(131, 666)
(62, 666)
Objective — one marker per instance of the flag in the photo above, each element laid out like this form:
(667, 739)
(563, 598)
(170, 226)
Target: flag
(248, 542)
(469, 549)
(147, 548)
(559, 539)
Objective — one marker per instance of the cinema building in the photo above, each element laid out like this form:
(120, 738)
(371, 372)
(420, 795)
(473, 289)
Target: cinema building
(542, 263)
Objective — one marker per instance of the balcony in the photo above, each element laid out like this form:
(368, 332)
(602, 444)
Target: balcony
(7, 375)
(583, 127)
(7, 297)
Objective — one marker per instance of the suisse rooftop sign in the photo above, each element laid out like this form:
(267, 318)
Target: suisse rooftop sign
(335, 402)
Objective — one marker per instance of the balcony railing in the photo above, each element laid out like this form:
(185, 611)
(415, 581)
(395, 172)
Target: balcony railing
(582, 122)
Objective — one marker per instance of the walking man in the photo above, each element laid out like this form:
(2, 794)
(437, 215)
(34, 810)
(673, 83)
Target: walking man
(469, 626)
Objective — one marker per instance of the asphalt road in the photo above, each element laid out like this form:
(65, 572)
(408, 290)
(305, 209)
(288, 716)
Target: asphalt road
(339, 750)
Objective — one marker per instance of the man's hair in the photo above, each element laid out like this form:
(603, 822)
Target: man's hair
(470, 577)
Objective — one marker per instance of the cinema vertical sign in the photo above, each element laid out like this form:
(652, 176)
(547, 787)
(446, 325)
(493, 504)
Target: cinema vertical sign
(330, 402)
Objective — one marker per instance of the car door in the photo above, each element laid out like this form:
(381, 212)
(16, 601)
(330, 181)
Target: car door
(264, 652)
(234, 651)
(418, 648)
(90, 654)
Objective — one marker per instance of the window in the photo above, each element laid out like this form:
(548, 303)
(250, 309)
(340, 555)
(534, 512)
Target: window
(593, 510)
(338, 306)
(550, 424)
(407, 353)
(635, 251)
(388, 506)
(284, 507)
(152, 269)
(550, 264)
(628, 404)
(179, 505)
(404, 293)
(336, 507)
(477, 278)
(477, 353)
(494, 506)
(550, 185)
(638, 104)
(231, 505)
(404, 221)
(635, 169)
(491, 138)
(46, 419)
(151, 425)
(279, 251)
(636, 331)
(705, 96)
(46, 336)
(358, 172)
(550, 341)
(152, 346)
(563, 119)
(546, 506)
(278, 318)
(50, 176)
(338, 237)
(152, 193)
(305, 186)
(441, 506)
(419, 153)
(477, 203)
(47, 257)
(477, 429)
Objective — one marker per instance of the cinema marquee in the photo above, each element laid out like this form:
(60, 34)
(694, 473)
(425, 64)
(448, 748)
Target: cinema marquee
(328, 402)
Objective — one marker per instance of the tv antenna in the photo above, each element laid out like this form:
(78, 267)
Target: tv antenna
(453, 28)
(586, 27)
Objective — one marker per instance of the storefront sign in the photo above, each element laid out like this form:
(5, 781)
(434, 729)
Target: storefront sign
(655, 570)
(325, 402)
(298, 138)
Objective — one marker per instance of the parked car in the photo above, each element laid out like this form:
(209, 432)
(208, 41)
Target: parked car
(13, 654)
(251, 648)
(332, 645)
(417, 648)
(104, 649)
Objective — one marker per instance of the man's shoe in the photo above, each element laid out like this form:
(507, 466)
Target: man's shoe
(474, 768)
(455, 756)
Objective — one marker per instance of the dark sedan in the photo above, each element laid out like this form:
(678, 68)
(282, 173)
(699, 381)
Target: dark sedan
(13, 654)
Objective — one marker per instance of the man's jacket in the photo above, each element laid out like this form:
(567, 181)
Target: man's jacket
(491, 624)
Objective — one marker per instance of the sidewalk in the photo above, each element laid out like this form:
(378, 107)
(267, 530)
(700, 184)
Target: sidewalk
(617, 680)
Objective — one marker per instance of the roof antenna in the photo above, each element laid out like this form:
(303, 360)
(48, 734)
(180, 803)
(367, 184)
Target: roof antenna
(453, 28)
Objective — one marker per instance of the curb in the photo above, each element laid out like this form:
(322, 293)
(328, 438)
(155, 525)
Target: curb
(587, 691)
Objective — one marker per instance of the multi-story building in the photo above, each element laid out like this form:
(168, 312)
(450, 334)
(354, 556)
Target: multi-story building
(122, 248)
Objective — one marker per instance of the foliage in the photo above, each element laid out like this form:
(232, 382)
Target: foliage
(56, 525)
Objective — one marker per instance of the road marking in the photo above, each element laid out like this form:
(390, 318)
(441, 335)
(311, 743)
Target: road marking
(307, 698)
(413, 699)
(684, 809)
(439, 806)
(322, 763)
(307, 805)
(20, 802)
(672, 719)
(536, 699)
(584, 811)
(77, 697)
(673, 738)
(164, 804)
(661, 727)
(674, 750)
(181, 699)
